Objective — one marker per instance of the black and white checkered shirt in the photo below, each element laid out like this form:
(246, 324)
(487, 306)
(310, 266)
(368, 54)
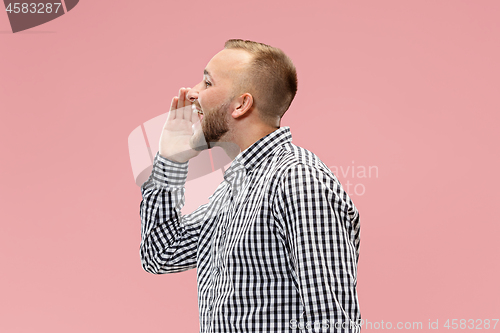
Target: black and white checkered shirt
(276, 248)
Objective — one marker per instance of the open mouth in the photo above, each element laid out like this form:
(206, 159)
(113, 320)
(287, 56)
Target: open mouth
(200, 113)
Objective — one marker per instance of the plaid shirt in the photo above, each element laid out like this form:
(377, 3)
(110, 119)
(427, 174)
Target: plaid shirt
(276, 247)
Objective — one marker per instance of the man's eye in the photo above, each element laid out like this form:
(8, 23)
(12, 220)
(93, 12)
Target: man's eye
(207, 84)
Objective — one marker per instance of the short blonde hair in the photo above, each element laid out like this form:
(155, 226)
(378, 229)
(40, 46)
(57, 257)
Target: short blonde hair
(271, 78)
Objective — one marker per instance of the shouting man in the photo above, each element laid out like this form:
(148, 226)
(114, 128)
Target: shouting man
(277, 246)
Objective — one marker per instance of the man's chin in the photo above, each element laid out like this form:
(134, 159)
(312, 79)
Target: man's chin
(198, 142)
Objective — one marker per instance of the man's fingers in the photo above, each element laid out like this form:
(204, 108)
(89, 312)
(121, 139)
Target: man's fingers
(177, 105)
(173, 104)
(188, 101)
(182, 98)
(197, 128)
(194, 114)
(172, 113)
(181, 106)
(186, 112)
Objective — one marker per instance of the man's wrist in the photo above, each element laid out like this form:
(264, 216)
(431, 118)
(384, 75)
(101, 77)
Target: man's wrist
(169, 173)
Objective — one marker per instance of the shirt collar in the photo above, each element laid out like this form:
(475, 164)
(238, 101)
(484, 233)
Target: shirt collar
(258, 151)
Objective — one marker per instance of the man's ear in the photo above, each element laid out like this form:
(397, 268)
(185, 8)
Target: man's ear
(243, 105)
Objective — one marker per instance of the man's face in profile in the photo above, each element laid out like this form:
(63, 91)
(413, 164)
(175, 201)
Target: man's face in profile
(214, 96)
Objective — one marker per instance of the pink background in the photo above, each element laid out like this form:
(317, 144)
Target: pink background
(409, 87)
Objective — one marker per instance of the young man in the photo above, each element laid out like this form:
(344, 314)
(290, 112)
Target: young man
(277, 246)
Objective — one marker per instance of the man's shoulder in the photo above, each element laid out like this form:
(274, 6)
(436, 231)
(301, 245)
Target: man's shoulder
(291, 156)
(296, 160)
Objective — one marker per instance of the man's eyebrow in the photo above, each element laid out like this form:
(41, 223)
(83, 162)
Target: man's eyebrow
(207, 73)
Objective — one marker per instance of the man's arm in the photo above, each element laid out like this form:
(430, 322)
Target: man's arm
(169, 240)
(322, 228)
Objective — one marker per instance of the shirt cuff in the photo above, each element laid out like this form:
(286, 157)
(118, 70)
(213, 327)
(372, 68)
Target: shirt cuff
(168, 173)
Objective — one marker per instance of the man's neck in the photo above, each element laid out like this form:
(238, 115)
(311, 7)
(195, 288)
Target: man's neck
(238, 143)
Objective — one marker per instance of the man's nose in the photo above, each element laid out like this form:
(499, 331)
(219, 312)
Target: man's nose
(192, 94)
